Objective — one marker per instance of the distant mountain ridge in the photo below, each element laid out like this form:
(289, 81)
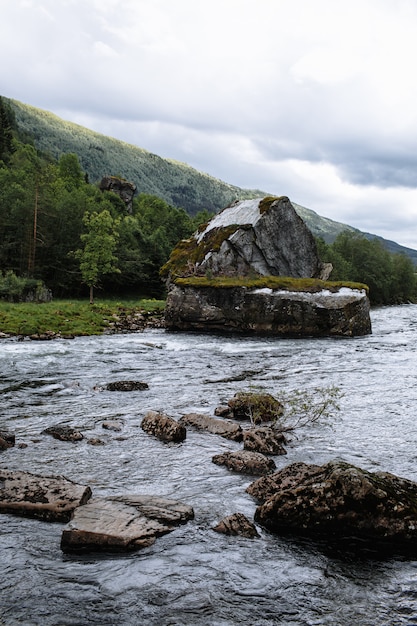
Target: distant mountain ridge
(177, 183)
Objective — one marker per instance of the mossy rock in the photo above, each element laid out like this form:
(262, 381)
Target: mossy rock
(257, 407)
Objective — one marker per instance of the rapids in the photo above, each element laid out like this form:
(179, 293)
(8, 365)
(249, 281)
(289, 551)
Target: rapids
(194, 576)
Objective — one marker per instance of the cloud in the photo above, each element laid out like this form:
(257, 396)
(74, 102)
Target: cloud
(312, 100)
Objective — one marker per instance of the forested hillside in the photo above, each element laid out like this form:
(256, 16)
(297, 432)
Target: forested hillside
(176, 183)
(58, 227)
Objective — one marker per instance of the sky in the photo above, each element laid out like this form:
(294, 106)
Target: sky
(315, 100)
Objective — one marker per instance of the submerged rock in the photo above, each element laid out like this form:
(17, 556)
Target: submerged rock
(163, 427)
(123, 523)
(127, 385)
(228, 430)
(64, 433)
(245, 462)
(338, 499)
(237, 524)
(50, 498)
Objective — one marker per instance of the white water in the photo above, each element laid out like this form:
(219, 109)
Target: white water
(195, 576)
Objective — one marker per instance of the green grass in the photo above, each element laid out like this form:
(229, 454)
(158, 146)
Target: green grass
(68, 317)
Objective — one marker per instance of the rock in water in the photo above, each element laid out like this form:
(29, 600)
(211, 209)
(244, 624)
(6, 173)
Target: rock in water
(237, 524)
(224, 278)
(338, 499)
(163, 427)
(245, 462)
(228, 430)
(123, 523)
(50, 498)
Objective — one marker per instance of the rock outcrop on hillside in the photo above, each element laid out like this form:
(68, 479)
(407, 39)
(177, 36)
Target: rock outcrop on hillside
(121, 187)
(216, 278)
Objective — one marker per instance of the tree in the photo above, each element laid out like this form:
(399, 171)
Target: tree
(99, 242)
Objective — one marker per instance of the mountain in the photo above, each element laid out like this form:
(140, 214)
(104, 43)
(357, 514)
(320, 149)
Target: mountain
(328, 230)
(177, 183)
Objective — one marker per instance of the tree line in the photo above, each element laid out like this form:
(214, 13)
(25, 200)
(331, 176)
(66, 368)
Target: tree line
(58, 228)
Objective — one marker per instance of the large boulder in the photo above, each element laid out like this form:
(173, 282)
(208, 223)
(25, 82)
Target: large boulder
(338, 499)
(122, 523)
(342, 311)
(224, 278)
(50, 498)
(264, 236)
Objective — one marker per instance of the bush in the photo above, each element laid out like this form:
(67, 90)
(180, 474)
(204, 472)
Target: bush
(17, 289)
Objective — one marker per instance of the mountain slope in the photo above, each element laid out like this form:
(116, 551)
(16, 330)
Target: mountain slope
(177, 183)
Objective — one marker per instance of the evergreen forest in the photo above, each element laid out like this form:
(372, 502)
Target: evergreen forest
(59, 230)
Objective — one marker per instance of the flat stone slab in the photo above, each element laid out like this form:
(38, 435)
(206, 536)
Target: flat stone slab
(228, 430)
(122, 523)
(50, 498)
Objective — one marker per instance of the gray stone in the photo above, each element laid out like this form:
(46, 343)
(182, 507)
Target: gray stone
(163, 427)
(245, 462)
(123, 523)
(50, 498)
(228, 430)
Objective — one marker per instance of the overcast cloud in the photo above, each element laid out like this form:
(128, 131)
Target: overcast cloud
(313, 100)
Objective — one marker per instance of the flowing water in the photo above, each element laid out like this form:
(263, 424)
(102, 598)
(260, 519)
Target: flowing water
(195, 576)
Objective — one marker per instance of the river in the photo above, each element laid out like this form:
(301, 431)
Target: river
(194, 576)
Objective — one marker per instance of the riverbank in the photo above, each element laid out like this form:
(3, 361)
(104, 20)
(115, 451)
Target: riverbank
(75, 318)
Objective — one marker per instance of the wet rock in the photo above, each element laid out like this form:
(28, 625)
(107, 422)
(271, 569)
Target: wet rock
(237, 524)
(50, 498)
(7, 440)
(223, 411)
(64, 433)
(228, 430)
(123, 523)
(48, 335)
(265, 440)
(113, 425)
(245, 462)
(95, 441)
(163, 427)
(127, 385)
(339, 499)
(265, 487)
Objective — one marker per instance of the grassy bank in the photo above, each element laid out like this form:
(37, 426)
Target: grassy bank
(70, 317)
